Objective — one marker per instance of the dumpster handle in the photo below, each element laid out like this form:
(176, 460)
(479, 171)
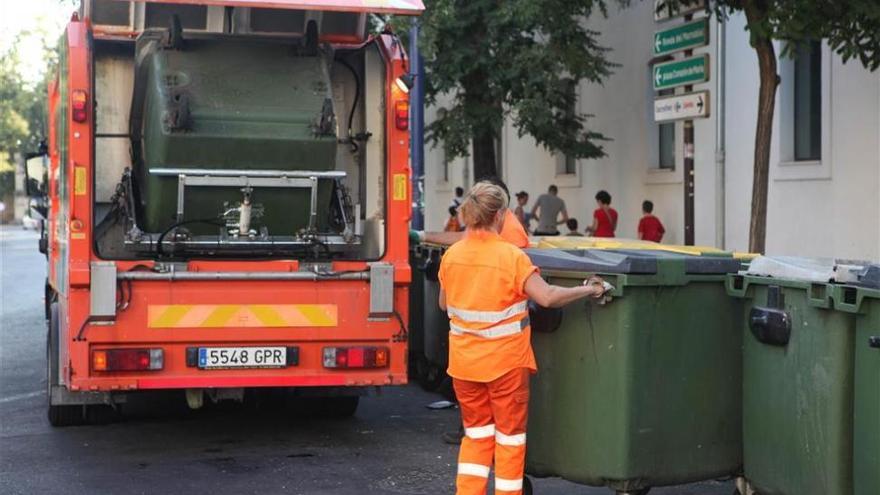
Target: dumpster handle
(771, 325)
(874, 341)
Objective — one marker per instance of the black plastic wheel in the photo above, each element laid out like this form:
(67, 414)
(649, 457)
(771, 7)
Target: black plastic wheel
(527, 486)
(429, 375)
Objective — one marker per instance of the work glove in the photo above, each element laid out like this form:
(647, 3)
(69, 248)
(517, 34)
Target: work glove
(416, 236)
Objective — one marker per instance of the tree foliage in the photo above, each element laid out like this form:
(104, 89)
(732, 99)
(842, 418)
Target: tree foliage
(486, 61)
(851, 29)
(22, 103)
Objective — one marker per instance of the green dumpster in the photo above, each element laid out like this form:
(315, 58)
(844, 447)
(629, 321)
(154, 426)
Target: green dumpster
(644, 390)
(864, 303)
(429, 346)
(798, 358)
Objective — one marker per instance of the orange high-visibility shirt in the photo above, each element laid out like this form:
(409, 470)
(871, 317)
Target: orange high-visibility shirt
(513, 231)
(484, 279)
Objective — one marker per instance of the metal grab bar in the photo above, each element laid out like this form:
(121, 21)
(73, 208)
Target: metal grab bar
(182, 275)
(200, 172)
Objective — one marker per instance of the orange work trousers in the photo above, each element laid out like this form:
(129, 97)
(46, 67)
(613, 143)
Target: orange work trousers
(494, 415)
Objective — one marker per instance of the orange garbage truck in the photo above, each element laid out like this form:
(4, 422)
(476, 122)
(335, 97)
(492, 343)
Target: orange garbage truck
(227, 195)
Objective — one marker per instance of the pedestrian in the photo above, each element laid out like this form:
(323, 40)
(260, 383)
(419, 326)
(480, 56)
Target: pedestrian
(550, 206)
(572, 225)
(485, 284)
(522, 199)
(513, 231)
(650, 227)
(604, 218)
(456, 201)
(452, 223)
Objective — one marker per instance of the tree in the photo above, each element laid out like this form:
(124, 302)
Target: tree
(851, 28)
(519, 59)
(22, 103)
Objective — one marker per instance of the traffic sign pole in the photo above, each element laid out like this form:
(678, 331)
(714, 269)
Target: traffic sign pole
(689, 177)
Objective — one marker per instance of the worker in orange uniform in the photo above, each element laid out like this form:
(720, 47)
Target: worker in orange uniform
(485, 286)
(512, 232)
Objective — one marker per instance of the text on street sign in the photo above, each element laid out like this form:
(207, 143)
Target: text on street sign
(686, 36)
(687, 106)
(692, 70)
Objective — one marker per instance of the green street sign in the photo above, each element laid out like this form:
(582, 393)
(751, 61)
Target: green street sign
(682, 37)
(692, 70)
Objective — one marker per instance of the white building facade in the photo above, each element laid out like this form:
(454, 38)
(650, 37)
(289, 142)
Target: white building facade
(824, 191)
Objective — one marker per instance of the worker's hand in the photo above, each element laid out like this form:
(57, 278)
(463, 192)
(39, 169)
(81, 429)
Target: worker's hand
(597, 286)
(416, 236)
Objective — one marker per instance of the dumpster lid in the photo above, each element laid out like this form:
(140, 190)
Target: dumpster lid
(711, 264)
(401, 7)
(869, 276)
(820, 270)
(591, 260)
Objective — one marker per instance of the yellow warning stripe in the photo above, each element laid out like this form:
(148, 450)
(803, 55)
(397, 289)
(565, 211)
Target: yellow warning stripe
(241, 315)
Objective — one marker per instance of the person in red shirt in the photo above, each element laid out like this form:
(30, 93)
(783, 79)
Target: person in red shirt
(604, 218)
(650, 227)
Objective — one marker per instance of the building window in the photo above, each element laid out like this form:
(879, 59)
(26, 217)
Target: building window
(666, 146)
(808, 101)
(566, 164)
(666, 140)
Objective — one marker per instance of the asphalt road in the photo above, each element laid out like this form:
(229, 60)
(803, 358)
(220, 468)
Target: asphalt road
(391, 446)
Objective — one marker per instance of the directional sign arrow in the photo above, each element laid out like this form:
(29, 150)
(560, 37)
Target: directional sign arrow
(658, 77)
(658, 42)
(679, 107)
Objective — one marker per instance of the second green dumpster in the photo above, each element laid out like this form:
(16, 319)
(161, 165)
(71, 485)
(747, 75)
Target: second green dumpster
(644, 390)
(797, 378)
(864, 302)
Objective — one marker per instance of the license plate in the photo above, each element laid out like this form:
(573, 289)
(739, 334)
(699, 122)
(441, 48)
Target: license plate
(242, 357)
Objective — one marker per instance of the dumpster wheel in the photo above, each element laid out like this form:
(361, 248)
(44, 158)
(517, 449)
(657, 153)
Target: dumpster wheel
(527, 485)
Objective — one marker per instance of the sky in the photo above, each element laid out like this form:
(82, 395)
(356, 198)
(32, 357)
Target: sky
(38, 17)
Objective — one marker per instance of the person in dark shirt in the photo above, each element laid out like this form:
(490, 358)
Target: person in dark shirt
(604, 218)
(650, 227)
(572, 225)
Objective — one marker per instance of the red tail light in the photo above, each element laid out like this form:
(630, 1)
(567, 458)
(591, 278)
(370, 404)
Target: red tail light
(79, 105)
(128, 359)
(355, 357)
(401, 115)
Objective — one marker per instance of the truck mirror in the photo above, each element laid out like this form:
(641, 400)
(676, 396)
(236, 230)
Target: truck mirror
(36, 168)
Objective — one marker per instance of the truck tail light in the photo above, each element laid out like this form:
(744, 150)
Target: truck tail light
(128, 359)
(79, 105)
(355, 357)
(401, 115)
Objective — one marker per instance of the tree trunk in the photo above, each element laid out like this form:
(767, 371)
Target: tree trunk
(764, 131)
(485, 163)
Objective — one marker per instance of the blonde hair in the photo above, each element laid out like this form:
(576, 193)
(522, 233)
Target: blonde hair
(481, 203)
